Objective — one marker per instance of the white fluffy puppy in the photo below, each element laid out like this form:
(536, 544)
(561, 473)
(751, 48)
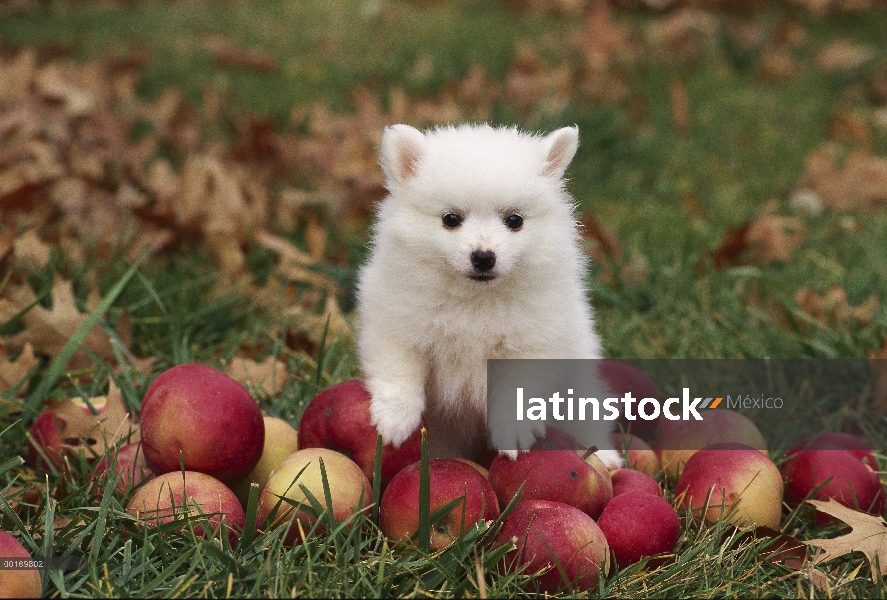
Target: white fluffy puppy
(475, 256)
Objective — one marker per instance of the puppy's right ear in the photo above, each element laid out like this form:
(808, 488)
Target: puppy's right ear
(562, 146)
(400, 153)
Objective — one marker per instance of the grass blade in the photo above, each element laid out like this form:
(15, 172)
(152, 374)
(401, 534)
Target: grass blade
(57, 367)
(252, 510)
(424, 532)
(377, 479)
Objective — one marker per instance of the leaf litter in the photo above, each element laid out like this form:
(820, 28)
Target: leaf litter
(868, 535)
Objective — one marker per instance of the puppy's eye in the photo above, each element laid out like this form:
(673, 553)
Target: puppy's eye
(514, 222)
(452, 220)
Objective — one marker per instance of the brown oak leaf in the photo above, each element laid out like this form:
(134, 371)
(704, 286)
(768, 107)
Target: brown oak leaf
(12, 372)
(294, 263)
(267, 377)
(49, 329)
(843, 55)
(30, 250)
(868, 535)
(228, 53)
(773, 238)
(833, 307)
(768, 238)
(93, 434)
(331, 318)
(859, 182)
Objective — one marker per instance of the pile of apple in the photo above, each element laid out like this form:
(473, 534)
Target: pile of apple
(204, 442)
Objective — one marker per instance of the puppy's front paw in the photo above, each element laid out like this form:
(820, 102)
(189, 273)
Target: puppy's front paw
(612, 459)
(512, 454)
(511, 438)
(393, 416)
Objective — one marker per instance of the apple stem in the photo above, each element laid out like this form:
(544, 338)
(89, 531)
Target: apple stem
(591, 450)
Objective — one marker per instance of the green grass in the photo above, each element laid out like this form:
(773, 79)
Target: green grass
(668, 196)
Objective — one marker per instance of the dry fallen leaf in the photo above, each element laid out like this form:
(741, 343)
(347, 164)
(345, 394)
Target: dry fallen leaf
(773, 238)
(779, 548)
(603, 44)
(681, 34)
(778, 65)
(268, 376)
(17, 75)
(868, 535)
(228, 53)
(294, 262)
(314, 324)
(12, 372)
(833, 307)
(92, 434)
(20, 497)
(49, 329)
(316, 236)
(31, 251)
(859, 183)
(851, 127)
(843, 55)
(58, 82)
(680, 106)
(768, 238)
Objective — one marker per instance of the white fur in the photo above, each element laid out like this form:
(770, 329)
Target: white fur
(426, 328)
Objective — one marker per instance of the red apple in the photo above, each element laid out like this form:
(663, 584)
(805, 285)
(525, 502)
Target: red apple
(187, 369)
(281, 440)
(175, 495)
(557, 439)
(477, 467)
(629, 480)
(207, 421)
(624, 378)
(338, 418)
(129, 463)
(640, 455)
(837, 474)
(46, 444)
(837, 441)
(719, 426)
(449, 479)
(637, 525)
(349, 488)
(557, 538)
(17, 583)
(558, 474)
(731, 476)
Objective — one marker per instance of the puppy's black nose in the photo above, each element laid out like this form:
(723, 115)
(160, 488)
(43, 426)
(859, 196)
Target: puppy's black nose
(483, 261)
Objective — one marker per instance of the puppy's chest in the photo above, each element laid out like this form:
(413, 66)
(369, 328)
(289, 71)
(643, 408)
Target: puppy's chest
(476, 331)
(471, 347)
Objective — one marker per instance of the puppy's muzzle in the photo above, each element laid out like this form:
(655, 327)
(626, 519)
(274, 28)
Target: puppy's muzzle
(483, 263)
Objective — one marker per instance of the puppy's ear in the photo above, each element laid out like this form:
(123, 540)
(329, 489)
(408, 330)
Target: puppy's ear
(400, 153)
(561, 146)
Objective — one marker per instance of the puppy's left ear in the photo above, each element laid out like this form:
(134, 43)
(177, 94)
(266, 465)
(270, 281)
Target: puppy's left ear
(560, 149)
(401, 152)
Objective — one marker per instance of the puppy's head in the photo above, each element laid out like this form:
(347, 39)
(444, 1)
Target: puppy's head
(477, 202)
